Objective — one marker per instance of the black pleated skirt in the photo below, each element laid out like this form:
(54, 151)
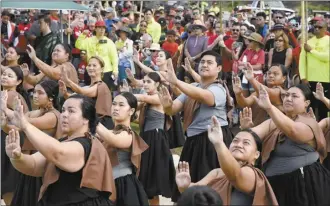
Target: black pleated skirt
(130, 191)
(199, 152)
(9, 175)
(326, 161)
(308, 188)
(176, 136)
(27, 191)
(157, 171)
(98, 201)
(107, 122)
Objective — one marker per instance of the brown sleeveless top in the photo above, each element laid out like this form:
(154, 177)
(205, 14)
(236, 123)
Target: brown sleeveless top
(103, 99)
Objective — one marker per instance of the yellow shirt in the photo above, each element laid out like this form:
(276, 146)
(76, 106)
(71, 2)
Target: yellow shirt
(155, 30)
(107, 51)
(318, 67)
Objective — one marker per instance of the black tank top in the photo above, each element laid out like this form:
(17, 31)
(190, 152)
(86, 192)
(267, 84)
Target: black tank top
(279, 57)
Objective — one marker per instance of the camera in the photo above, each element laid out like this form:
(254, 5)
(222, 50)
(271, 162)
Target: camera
(103, 41)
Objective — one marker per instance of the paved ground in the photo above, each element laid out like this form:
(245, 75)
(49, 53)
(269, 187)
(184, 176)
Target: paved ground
(167, 201)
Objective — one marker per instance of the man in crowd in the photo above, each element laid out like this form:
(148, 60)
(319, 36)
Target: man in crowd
(262, 27)
(103, 47)
(9, 31)
(316, 68)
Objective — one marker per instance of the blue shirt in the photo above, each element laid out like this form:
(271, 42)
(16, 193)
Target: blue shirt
(108, 24)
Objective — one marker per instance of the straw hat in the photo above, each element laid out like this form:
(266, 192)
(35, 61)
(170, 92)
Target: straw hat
(155, 47)
(124, 29)
(197, 23)
(254, 37)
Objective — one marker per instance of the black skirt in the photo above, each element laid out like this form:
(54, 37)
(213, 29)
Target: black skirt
(157, 171)
(199, 152)
(107, 122)
(98, 201)
(9, 175)
(130, 191)
(326, 161)
(308, 188)
(175, 133)
(27, 191)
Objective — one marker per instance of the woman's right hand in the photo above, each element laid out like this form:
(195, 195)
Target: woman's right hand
(237, 85)
(4, 98)
(125, 87)
(31, 52)
(17, 118)
(182, 178)
(248, 72)
(245, 118)
(25, 69)
(165, 97)
(129, 74)
(62, 87)
(319, 93)
(13, 148)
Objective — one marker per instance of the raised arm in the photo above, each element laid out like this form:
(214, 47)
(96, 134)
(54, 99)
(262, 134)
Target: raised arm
(191, 71)
(44, 122)
(122, 140)
(170, 108)
(288, 58)
(242, 178)
(319, 94)
(149, 99)
(241, 100)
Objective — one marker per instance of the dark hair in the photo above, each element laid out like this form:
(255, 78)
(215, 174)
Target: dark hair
(215, 54)
(46, 18)
(167, 54)
(5, 13)
(51, 89)
(200, 195)
(19, 53)
(154, 76)
(247, 26)
(132, 102)
(19, 88)
(67, 49)
(148, 9)
(262, 14)
(279, 12)
(305, 90)
(88, 111)
(236, 24)
(259, 146)
(99, 59)
(171, 32)
(284, 71)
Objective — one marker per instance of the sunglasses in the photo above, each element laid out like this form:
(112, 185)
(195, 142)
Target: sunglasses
(318, 27)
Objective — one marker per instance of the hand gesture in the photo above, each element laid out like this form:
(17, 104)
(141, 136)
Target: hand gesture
(182, 177)
(17, 118)
(169, 74)
(62, 87)
(25, 69)
(319, 94)
(4, 98)
(68, 31)
(136, 56)
(13, 148)
(263, 100)
(129, 74)
(307, 47)
(64, 76)
(245, 118)
(125, 87)
(165, 97)
(86, 32)
(187, 66)
(214, 131)
(248, 72)
(31, 52)
(237, 85)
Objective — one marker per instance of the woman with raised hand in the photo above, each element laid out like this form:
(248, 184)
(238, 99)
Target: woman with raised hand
(199, 101)
(97, 90)
(125, 147)
(293, 149)
(71, 166)
(157, 172)
(12, 83)
(61, 58)
(46, 118)
(239, 181)
(276, 84)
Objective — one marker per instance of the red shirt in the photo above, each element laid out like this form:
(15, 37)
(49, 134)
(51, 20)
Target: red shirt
(172, 48)
(81, 71)
(22, 40)
(254, 57)
(212, 36)
(227, 63)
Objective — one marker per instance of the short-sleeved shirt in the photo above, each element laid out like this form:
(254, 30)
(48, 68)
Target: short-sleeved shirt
(202, 116)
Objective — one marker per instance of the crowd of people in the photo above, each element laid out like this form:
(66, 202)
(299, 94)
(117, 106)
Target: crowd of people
(92, 104)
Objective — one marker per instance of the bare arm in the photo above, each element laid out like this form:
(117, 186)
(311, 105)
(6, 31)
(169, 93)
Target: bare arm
(149, 99)
(270, 57)
(44, 122)
(32, 165)
(34, 80)
(89, 91)
(122, 140)
(288, 58)
(245, 101)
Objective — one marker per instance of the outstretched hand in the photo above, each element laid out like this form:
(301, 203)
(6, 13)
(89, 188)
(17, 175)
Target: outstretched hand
(165, 97)
(263, 100)
(13, 148)
(182, 178)
(245, 118)
(214, 131)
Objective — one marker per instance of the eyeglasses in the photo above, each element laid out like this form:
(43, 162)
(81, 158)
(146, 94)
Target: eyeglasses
(318, 27)
(279, 40)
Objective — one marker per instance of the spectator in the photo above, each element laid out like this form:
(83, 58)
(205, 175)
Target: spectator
(282, 53)
(317, 68)
(110, 15)
(84, 78)
(124, 47)
(170, 45)
(103, 47)
(279, 17)
(199, 195)
(262, 27)
(9, 31)
(46, 43)
(153, 28)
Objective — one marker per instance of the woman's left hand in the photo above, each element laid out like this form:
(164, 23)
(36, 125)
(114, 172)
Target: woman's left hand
(64, 76)
(31, 52)
(17, 118)
(215, 132)
(263, 101)
(248, 72)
